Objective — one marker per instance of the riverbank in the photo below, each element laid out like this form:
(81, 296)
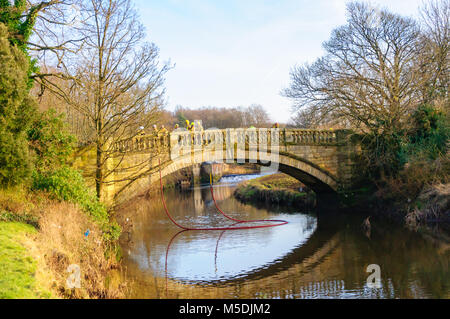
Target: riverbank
(20, 278)
(430, 208)
(278, 189)
(41, 238)
(413, 206)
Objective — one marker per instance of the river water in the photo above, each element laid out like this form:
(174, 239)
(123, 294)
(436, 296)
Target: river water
(316, 255)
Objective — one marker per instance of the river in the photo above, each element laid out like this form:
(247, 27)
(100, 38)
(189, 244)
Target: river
(316, 255)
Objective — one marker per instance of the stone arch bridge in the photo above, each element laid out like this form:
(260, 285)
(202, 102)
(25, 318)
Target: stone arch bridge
(324, 160)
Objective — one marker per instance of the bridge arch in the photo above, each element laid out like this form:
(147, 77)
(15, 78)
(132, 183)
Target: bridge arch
(316, 178)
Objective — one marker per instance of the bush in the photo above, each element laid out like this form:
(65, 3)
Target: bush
(384, 153)
(16, 109)
(50, 140)
(430, 134)
(15, 162)
(425, 142)
(66, 184)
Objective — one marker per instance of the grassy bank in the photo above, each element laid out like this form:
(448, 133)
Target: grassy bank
(40, 237)
(19, 276)
(276, 189)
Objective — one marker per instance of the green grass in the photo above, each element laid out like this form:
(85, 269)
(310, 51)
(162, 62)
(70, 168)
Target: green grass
(275, 189)
(17, 267)
(276, 181)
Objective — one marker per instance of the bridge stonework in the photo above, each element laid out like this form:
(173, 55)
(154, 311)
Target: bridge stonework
(324, 160)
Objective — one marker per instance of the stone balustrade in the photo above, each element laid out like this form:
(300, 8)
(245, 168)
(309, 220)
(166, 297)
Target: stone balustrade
(163, 142)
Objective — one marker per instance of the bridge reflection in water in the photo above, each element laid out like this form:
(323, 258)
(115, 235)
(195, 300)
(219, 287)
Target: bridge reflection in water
(311, 257)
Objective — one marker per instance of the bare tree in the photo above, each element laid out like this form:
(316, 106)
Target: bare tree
(221, 117)
(53, 37)
(212, 117)
(435, 60)
(369, 75)
(256, 115)
(77, 123)
(305, 118)
(114, 79)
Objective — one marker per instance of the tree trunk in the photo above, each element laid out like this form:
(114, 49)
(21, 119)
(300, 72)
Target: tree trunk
(99, 180)
(101, 156)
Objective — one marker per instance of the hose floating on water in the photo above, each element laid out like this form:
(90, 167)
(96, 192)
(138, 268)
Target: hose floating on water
(278, 222)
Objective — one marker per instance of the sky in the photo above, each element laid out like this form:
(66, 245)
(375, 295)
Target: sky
(230, 53)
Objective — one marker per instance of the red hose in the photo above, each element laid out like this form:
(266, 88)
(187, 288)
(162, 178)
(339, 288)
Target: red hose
(279, 222)
(282, 222)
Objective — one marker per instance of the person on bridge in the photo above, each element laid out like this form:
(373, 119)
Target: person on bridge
(155, 130)
(141, 131)
(189, 125)
(198, 126)
(162, 131)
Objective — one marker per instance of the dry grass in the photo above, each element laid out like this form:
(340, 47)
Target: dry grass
(420, 193)
(433, 204)
(19, 205)
(59, 242)
(277, 181)
(413, 180)
(63, 242)
(15, 200)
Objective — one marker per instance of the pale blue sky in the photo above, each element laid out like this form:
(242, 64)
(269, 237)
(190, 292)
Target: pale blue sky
(239, 52)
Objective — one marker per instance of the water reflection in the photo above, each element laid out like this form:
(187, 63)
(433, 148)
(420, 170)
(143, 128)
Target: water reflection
(199, 203)
(312, 257)
(242, 252)
(233, 180)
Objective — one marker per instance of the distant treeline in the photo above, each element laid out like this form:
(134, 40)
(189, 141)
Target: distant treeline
(219, 117)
